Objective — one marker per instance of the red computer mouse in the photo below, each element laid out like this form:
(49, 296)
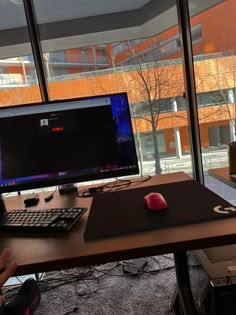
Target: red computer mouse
(155, 201)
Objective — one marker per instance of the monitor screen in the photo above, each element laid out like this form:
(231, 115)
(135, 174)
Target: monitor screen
(68, 141)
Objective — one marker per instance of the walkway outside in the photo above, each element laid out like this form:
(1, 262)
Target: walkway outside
(212, 158)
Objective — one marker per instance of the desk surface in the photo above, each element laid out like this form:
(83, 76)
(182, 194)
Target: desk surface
(37, 253)
(222, 174)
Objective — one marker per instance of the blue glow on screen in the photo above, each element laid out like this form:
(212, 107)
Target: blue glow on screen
(120, 107)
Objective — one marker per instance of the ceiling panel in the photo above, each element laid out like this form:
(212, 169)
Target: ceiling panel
(48, 11)
(78, 23)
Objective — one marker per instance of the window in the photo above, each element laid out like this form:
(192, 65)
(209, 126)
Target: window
(212, 98)
(118, 48)
(218, 136)
(164, 105)
(162, 48)
(57, 56)
(181, 103)
(214, 63)
(147, 144)
(172, 44)
(196, 33)
(58, 72)
(32, 74)
(3, 69)
(84, 56)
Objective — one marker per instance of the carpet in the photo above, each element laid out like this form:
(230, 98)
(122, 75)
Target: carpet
(115, 293)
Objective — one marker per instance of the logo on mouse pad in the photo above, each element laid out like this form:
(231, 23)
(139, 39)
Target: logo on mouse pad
(220, 209)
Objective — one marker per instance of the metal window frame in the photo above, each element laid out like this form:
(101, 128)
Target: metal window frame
(190, 89)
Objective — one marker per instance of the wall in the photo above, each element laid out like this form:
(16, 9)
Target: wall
(210, 75)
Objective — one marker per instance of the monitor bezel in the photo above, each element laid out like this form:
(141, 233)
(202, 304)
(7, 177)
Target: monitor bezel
(46, 183)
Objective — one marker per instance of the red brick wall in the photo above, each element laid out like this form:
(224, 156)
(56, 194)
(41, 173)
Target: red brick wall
(218, 32)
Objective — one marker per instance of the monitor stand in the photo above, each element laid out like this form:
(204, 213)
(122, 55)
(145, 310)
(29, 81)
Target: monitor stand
(67, 188)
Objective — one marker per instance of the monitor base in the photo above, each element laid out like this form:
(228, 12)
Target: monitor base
(67, 189)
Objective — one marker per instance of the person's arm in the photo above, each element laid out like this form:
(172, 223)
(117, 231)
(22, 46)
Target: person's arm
(8, 272)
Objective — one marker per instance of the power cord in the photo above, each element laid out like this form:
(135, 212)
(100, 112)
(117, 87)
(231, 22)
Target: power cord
(117, 184)
(50, 197)
(90, 192)
(92, 274)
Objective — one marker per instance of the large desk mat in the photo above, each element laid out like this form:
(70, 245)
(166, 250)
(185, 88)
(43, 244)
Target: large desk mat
(124, 212)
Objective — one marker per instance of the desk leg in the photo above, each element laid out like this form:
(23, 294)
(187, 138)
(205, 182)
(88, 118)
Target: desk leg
(185, 296)
(37, 276)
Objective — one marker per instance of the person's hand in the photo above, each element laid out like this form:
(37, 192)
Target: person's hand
(11, 268)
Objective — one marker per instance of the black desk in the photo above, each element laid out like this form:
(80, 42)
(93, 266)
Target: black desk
(39, 253)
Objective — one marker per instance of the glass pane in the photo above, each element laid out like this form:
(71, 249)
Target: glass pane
(18, 82)
(214, 64)
(215, 75)
(148, 68)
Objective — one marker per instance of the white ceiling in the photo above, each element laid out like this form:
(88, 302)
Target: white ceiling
(78, 23)
(47, 11)
(82, 8)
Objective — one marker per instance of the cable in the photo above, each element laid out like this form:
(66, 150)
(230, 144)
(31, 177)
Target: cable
(117, 184)
(89, 276)
(90, 192)
(50, 197)
(143, 180)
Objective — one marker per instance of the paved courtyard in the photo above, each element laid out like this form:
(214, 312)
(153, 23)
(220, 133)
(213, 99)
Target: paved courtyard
(210, 159)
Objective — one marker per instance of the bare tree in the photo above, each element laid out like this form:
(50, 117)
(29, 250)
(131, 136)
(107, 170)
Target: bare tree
(150, 83)
(223, 76)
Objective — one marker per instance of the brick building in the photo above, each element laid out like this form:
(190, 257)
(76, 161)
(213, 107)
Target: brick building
(214, 47)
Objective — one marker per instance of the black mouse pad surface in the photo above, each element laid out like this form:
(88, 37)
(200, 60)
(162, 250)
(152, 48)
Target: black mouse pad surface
(123, 212)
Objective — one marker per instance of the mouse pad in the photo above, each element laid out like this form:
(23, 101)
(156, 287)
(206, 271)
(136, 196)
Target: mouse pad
(123, 212)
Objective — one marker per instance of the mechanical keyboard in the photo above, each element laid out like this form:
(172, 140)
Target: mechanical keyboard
(47, 220)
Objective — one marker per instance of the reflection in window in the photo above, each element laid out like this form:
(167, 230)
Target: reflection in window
(17, 65)
(59, 72)
(16, 72)
(163, 105)
(162, 48)
(181, 103)
(57, 56)
(218, 136)
(212, 98)
(170, 47)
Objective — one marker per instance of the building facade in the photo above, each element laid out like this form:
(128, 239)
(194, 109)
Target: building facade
(112, 68)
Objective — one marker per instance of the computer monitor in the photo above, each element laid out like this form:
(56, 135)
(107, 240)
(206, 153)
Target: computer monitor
(66, 141)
